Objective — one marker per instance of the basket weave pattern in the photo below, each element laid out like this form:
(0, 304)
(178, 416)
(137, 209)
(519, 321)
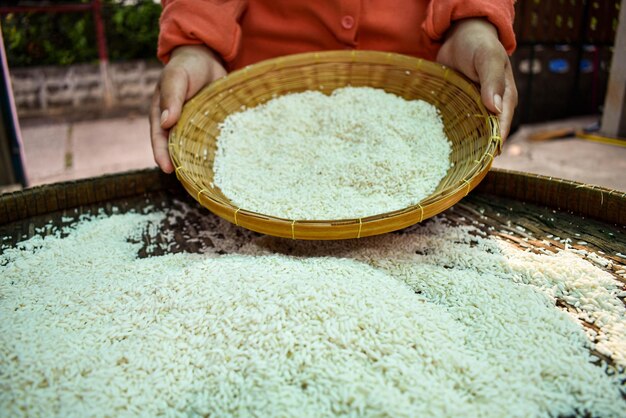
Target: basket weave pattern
(471, 129)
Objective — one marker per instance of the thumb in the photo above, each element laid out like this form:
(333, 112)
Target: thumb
(173, 85)
(490, 67)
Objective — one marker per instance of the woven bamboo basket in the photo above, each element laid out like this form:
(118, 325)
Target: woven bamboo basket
(471, 129)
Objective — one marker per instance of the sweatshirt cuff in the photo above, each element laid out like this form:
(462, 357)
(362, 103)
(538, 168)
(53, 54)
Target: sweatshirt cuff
(441, 14)
(198, 22)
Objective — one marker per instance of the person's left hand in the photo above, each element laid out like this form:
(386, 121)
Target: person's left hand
(473, 48)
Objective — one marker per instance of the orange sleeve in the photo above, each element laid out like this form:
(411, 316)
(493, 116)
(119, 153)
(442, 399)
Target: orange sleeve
(214, 23)
(442, 13)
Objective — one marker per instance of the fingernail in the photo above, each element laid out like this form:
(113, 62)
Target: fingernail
(497, 102)
(164, 116)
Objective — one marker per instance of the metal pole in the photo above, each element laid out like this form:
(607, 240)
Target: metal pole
(614, 115)
(103, 55)
(11, 154)
(58, 8)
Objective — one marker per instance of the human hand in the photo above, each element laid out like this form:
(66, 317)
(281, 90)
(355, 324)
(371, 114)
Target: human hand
(191, 67)
(473, 48)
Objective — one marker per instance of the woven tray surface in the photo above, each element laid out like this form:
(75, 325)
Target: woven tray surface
(501, 206)
(471, 129)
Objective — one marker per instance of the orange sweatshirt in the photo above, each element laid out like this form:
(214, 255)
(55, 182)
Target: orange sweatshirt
(247, 31)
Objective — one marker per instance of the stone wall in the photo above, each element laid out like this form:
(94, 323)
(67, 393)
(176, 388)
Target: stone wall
(45, 91)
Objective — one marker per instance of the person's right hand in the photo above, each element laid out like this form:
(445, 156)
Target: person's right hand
(190, 68)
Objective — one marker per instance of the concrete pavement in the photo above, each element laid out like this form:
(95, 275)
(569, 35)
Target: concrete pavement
(569, 158)
(60, 151)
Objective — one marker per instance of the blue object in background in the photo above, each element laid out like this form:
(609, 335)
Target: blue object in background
(586, 66)
(558, 66)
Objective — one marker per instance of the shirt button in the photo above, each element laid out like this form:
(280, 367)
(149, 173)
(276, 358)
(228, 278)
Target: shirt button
(347, 22)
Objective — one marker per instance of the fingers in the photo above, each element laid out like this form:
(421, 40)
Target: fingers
(173, 86)
(509, 102)
(190, 68)
(158, 135)
(183, 79)
(200, 65)
(491, 64)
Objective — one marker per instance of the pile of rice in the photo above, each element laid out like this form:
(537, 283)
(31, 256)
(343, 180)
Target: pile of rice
(358, 152)
(434, 322)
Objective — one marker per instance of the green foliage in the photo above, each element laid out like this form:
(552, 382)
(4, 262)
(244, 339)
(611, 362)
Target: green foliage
(133, 31)
(68, 38)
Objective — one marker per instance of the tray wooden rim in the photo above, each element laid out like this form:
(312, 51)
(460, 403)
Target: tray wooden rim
(585, 200)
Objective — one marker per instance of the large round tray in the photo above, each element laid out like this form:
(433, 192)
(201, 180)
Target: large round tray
(529, 211)
(504, 197)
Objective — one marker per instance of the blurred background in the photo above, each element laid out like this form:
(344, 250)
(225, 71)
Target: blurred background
(79, 76)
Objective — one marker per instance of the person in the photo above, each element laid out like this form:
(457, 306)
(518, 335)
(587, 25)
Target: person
(201, 40)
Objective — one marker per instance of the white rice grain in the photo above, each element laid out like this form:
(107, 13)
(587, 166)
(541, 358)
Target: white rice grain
(433, 322)
(358, 152)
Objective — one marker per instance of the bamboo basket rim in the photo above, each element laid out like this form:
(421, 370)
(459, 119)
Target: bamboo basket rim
(359, 227)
